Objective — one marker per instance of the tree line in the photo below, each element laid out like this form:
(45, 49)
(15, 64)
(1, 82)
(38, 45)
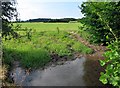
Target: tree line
(66, 20)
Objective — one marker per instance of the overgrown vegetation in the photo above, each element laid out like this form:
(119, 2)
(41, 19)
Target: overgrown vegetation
(100, 18)
(102, 21)
(112, 59)
(36, 51)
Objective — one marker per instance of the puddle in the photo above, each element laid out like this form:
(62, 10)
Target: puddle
(78, 72)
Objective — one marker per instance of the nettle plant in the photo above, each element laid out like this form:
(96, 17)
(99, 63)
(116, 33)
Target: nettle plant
(112, 62)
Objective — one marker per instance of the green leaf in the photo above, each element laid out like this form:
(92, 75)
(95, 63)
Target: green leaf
(102, 63)
(115, 80)
(103, 78)
(107, 37)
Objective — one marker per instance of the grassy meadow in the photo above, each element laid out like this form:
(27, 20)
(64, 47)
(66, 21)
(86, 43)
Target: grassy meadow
(40, 26)
(36, 47)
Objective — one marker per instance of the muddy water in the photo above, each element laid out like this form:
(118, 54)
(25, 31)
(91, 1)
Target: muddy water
(79, 72)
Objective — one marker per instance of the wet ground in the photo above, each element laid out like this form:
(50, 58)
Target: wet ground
(79, 72)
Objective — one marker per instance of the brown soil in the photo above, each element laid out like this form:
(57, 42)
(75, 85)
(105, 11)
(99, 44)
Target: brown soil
(98, 50)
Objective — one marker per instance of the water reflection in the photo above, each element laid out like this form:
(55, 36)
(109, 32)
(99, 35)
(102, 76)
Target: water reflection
(92, 71)
(79, 72)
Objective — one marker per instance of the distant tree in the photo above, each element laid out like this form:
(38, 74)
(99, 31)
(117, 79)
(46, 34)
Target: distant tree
(9, 12)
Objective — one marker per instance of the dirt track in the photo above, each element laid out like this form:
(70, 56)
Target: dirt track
(98, 50)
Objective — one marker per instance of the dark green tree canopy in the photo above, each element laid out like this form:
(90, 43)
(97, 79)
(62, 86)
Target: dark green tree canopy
(100, 18)
(9, 12)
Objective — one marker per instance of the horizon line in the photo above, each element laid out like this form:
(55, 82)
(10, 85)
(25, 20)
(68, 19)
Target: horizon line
(51, 18)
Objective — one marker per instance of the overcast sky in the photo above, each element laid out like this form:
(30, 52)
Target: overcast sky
(29, 9)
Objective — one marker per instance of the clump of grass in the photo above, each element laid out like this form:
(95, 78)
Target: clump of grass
(35, 58)
(27, 53)
(60, 49)
(9, 55)
(79, 47)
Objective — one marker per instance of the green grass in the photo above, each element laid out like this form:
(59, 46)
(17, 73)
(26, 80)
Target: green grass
(38, 26)
(27, 53)
(46, 39)
(79, 47)
(82, 32)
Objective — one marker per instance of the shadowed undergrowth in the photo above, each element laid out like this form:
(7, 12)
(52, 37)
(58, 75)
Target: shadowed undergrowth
(32, 58)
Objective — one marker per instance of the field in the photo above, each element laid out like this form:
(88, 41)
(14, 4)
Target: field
(40, 43)
(39, 26)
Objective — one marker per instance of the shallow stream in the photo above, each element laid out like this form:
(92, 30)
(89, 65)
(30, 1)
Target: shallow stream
(79, 72)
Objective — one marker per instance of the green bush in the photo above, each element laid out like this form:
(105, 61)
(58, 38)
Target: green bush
(112, 59)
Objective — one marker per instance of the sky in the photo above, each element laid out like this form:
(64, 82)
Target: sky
(31, 9)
